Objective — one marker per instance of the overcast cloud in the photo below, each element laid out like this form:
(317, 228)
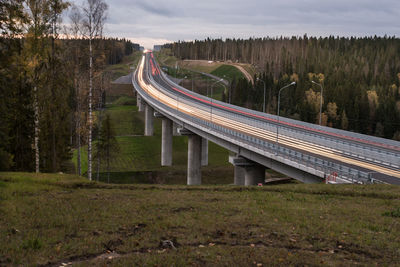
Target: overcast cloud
(161, 21)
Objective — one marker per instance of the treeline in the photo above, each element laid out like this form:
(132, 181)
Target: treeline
(360, 78)
(49, 86)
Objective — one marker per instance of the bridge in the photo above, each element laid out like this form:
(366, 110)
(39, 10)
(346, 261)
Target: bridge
(304, 151)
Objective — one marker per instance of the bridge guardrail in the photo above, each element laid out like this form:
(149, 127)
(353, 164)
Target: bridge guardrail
(376, 154)
(317, 166)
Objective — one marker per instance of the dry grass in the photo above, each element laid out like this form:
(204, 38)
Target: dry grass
(54, 219)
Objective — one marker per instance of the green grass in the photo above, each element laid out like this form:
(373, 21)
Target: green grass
(206, 69)
(125, 101)
(118, 70)
(138, 160)
(230, 72)
(124, 68)
(54, 219)
(164, 57)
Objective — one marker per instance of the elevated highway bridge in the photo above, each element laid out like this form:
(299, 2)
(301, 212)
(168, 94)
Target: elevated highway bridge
(304, 151)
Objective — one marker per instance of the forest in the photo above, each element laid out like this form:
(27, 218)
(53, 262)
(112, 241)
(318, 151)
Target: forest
(52, 78)
(360, 78)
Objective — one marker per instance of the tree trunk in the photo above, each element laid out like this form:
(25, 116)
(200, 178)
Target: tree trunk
(52, 106)
(79, 155)
(90, 110)
(36, 144)
(108, 164)
(78, 142)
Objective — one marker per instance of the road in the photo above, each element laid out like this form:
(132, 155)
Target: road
(225, 116)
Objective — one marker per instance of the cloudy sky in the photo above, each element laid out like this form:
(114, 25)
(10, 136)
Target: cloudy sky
(150, 22)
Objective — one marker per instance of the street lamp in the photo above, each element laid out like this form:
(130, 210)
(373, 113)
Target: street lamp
(320, 104)
(177, 99)
(227, 89)
(279, 100)
(211, 96)
(259, 80)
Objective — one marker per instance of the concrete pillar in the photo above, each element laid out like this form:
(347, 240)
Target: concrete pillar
(149, 121)
(204, 152)
(194, 160)
(166, 142)
(239, 175)
(247, 172)
(254, 174)
(139, 103)
(194, 157)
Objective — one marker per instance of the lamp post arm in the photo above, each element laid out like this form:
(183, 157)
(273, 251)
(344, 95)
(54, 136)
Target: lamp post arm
(320, 104)
(279, 101)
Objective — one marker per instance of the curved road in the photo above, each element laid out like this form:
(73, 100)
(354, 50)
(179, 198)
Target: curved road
(155, 84)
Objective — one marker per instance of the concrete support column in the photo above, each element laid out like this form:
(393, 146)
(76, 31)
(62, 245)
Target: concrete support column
(166, 142)
(247, 172)
(149, 121)
(239, 175)
(139, 103)
(254, 175)
(194, 160)
(204, 152)
(194, 157)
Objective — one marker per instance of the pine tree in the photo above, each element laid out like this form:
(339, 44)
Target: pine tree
(107, 145)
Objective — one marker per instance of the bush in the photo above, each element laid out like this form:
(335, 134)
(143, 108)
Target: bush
(6, 160)
(395, 213)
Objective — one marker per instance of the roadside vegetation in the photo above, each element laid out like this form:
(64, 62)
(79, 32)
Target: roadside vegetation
(139, 157)
(228, 72)
(125, 67)
(53, 219)
(360, 77)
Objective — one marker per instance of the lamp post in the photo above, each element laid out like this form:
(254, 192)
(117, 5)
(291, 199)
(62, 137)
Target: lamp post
(211, 96)
(227, 89)
(259, 80)
(177, 99)
(320, 104)
(279, 100)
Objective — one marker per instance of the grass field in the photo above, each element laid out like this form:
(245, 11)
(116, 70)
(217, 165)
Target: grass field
(53, 219)
(229, 71)
(219, 69)
(138, 160)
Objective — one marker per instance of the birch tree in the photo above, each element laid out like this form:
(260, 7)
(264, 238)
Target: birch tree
(38, 28)
(93, 19)
(75, 30)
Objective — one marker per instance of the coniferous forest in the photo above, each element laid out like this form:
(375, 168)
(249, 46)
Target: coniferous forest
(360, 78)
(44, 81)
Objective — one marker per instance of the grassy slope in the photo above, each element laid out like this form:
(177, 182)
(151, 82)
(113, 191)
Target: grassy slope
(217, 68)
(229, 71)
(200, 67)
(123, 68)
(139, 158)
(51, 218)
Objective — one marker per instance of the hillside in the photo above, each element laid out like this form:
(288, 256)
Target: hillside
(139, 158)
(55, 219)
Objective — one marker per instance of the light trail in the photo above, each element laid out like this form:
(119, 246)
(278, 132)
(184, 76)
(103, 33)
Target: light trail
(247, 129)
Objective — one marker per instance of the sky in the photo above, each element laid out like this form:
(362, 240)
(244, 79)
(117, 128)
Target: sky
(150, 22)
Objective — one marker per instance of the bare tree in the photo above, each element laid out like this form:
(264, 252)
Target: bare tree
(93, 19)
(75, 30)
(38, 27)
(56, 8)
